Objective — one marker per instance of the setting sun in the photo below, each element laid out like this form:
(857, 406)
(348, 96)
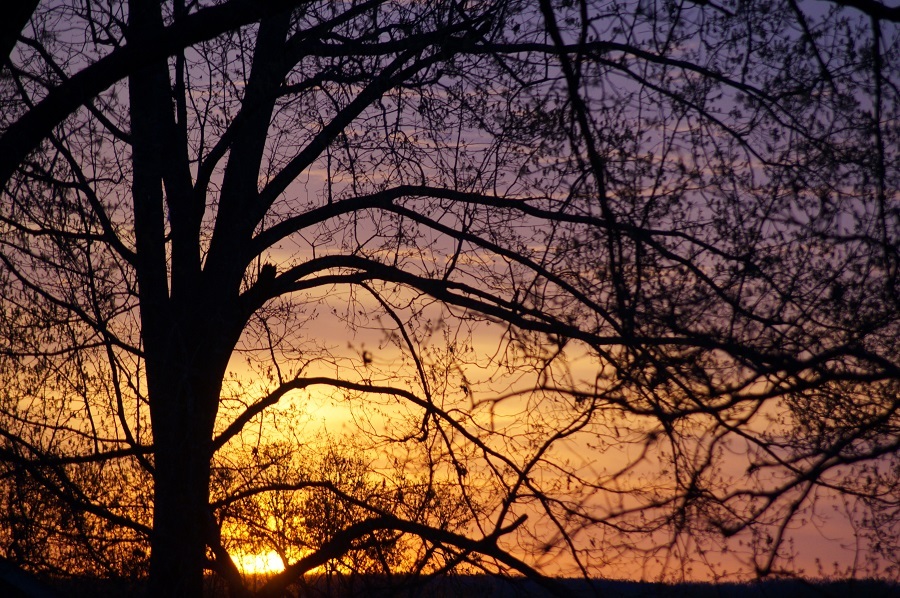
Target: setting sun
(262, 563)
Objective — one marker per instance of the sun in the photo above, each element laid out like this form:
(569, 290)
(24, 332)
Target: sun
(263, 563)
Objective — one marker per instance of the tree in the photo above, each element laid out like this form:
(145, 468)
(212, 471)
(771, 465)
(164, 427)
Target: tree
(676, 222)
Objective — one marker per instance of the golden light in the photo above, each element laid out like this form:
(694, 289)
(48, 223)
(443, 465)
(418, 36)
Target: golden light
(263, 563)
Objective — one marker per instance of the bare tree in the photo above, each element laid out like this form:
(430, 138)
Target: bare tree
(623, 275)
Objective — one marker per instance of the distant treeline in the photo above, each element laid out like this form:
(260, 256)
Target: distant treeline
(476, 586)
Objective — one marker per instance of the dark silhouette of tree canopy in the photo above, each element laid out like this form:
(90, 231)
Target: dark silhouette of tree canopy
(619, 282)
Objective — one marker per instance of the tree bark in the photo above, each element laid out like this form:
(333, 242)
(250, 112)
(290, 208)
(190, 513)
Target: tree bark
(15, 19)
(181, 498)
(184, 362)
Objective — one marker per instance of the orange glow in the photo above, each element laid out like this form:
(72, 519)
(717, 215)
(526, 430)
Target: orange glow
(263, 563)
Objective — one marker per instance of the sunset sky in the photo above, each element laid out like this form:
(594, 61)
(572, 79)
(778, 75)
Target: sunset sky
(594, 288)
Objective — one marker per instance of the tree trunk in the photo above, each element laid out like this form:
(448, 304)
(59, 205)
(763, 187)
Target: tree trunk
(184, 364)
(190, 317)
(184, 382)
(181, 502)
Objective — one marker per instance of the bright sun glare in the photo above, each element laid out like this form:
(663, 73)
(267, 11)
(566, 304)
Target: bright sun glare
(258, 564)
